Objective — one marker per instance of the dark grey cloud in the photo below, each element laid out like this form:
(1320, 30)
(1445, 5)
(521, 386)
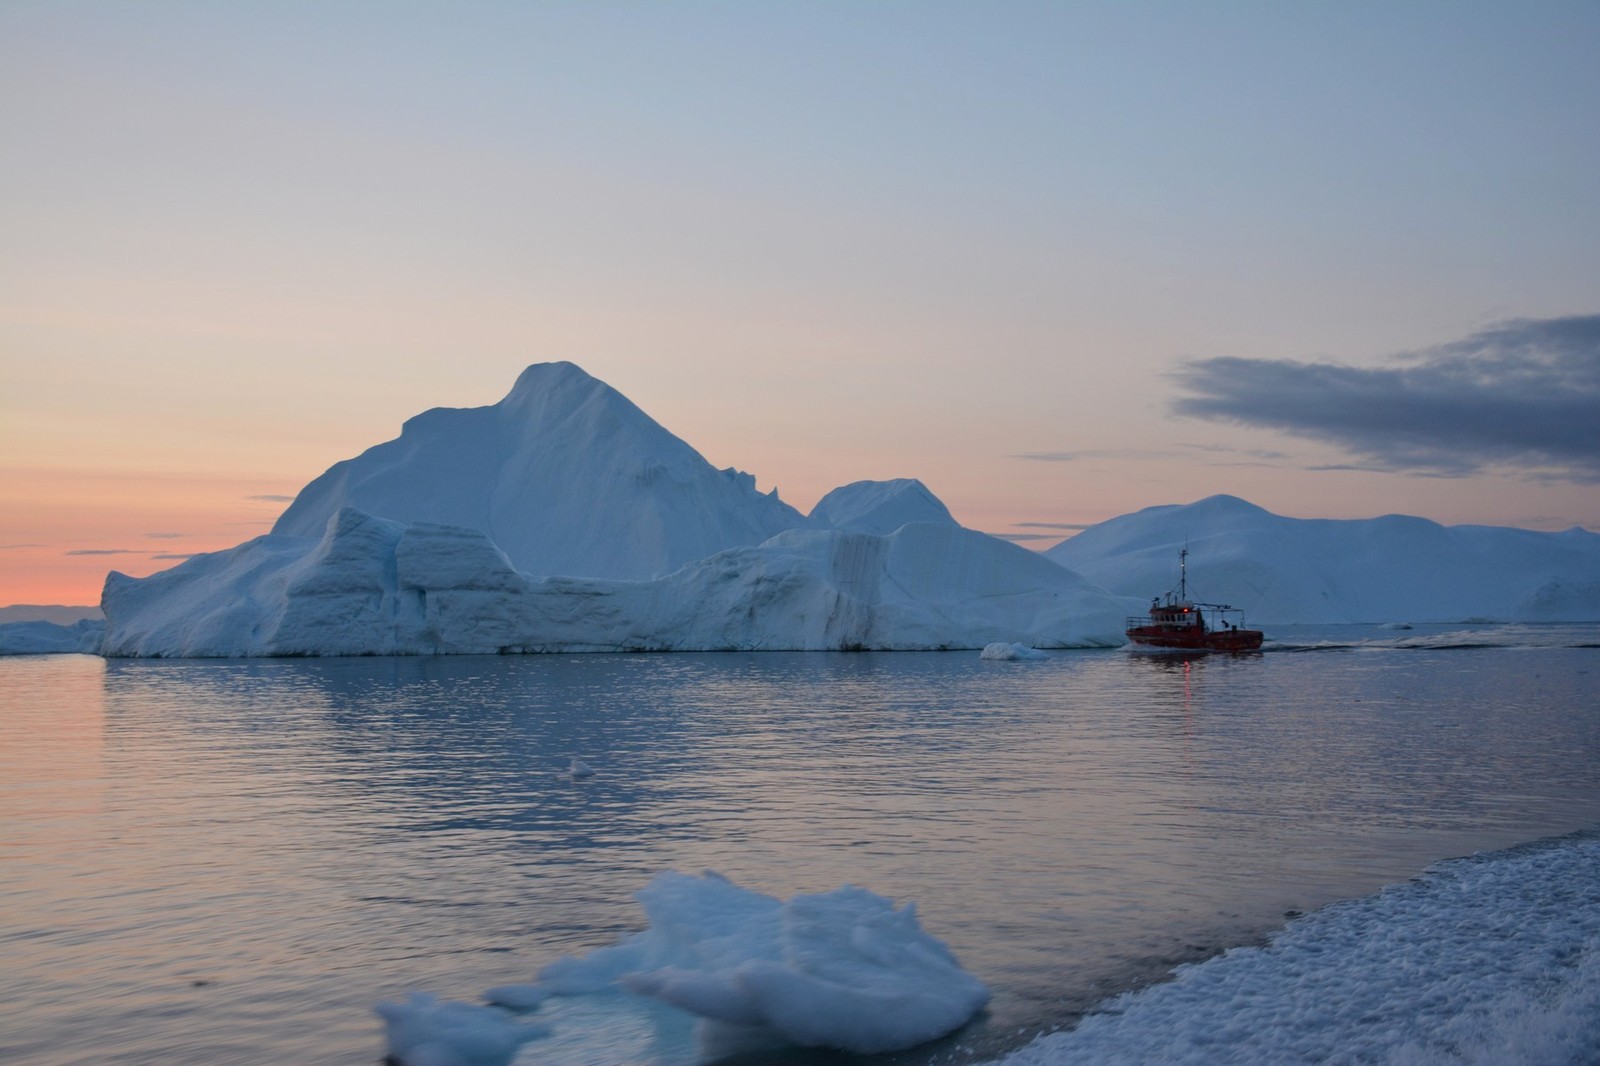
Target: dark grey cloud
(1522, 394)
(1077, 527)
(175, 556)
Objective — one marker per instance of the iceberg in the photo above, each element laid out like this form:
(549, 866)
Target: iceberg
(374, 586)
(843, 969)
(1001, 651)
(563, 519)
(426, 1031)
(1374, 570)
(39, 637)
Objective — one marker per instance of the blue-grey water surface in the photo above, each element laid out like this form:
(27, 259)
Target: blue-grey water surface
(207, 862)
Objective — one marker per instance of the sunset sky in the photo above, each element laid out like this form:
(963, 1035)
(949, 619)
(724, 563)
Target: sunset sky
(1059, 261)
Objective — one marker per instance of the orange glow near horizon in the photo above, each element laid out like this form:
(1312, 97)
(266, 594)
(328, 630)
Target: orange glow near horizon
(61, 532)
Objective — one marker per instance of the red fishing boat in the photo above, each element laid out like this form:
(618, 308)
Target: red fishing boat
(1182, 623)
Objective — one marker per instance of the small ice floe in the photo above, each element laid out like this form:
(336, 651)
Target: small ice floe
(427, 1031)
(1395, 625)
(578, 769)
(1010, 652)
(844, 969)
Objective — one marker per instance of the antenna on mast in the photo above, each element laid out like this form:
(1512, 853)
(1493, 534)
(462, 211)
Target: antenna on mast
(1183, 571)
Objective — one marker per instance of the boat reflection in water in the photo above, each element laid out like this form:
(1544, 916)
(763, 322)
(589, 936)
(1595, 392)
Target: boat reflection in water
(1176, 622)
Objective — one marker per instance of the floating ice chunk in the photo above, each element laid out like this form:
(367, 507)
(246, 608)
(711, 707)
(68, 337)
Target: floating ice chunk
(699, 923)
(579, 768)
(1002, 650)
(843, 969)
(427, 1031)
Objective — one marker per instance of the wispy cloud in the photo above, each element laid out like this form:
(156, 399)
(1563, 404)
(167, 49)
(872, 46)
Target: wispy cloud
(271, 498)
(105, 551)
(18, 547)
(1094, 453)
(163, 536)
(1522, 394)
(1025, 536)
(175, 556)
(1076, 527)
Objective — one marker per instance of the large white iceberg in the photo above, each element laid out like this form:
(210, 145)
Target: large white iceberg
(372, 586)
(843, 969)
(1393, 568)
(564, 519)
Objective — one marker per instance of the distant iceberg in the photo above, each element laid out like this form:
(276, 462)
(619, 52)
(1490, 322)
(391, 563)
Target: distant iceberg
(1298, 570)
(51, 638)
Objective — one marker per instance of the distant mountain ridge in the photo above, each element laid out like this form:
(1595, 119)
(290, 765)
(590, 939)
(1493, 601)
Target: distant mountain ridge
(1391, 568)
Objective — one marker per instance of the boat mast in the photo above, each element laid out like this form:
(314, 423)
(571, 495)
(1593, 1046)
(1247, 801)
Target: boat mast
(1183, 572)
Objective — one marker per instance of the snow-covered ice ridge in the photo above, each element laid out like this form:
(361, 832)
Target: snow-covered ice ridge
(372, 586)
(1489, 960)
(1297, 570)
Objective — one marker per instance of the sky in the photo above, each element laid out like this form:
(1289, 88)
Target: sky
(1060, 261)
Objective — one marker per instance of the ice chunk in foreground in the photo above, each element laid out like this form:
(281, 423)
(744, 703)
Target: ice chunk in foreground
(427, 1031)
(843, 969)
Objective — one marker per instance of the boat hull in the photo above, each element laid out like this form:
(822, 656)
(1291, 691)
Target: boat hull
(1212, 640)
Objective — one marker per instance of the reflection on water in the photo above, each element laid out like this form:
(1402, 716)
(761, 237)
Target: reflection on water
(233, 860)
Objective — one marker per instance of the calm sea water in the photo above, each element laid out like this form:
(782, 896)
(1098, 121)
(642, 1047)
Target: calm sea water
(207, 862)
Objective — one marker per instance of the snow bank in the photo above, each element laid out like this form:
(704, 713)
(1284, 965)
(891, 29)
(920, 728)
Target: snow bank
(843, 969)
(1292, 570)
(371, 586)
(425, 1031)
(1488, 960)
(49, 638)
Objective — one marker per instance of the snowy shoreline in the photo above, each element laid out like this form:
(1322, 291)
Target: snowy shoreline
(1490, 958)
